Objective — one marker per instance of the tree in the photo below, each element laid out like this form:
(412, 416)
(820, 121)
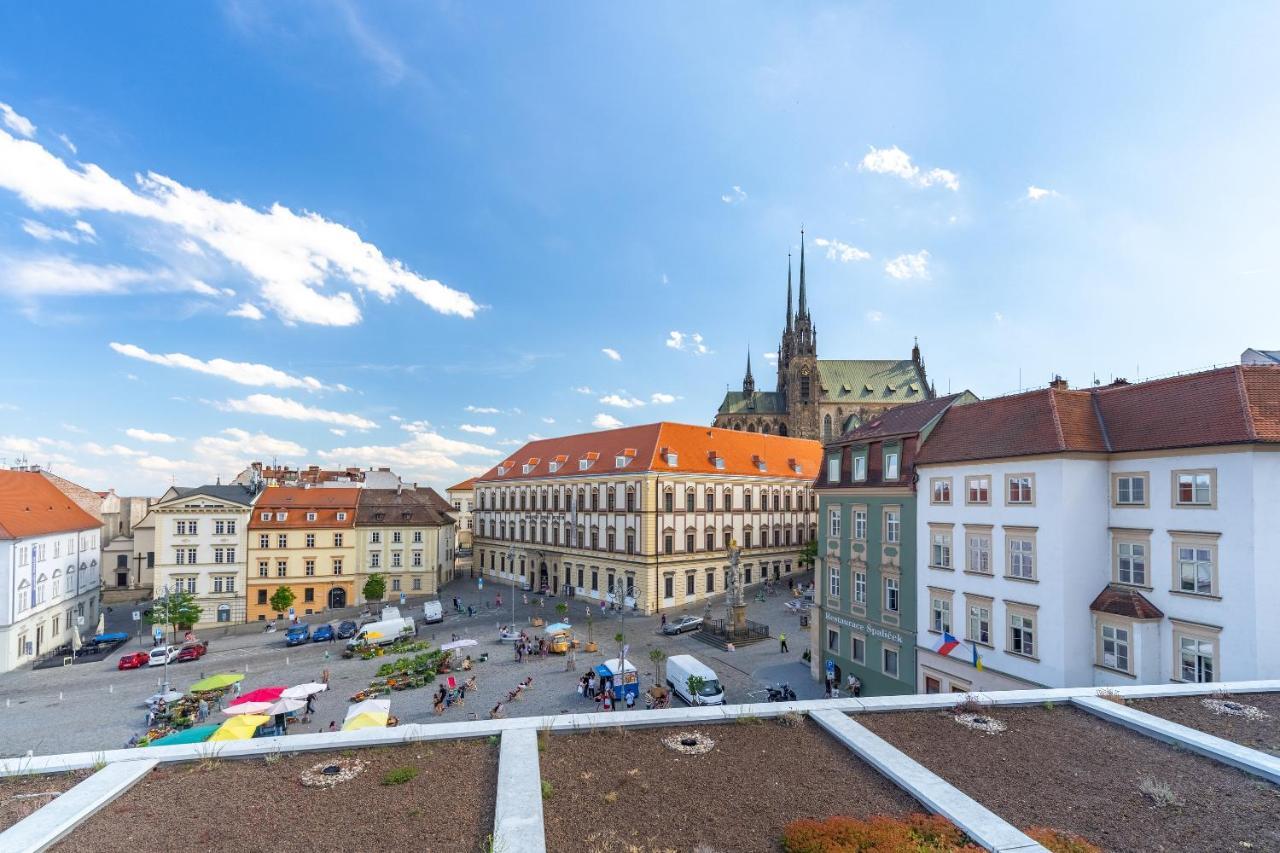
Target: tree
(562, 610)
(178, 608)
(694, 683)
(657, 656)
(375, 587)
(810, 553)
(282, 599)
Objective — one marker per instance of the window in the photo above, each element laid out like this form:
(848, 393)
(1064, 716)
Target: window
(375, 536)
(1193, 488)
(395, 584)
(892, 526)
(977, 490)
(940, 490)
(941, 613)
(1022, 634)
(833, 640)
(311, 516)
(860, 467)
(689, 539)
(308, 594)
(940, 550)
(337, 565)
(979, 554)
(891, 465)
(689, 499)
(668, 501)
(860, 588)
(891, 594)
(833, 522)
(262, 568)
(311, 540)
(710, 501)
(710, 585)
(342, 516)
(980, 622)
(417, 559)
(668, 586)
(1019, 489)
(1113, 647)
(890, 661)
(833, 469)
(1021, 549)
(282, 568)
(337, 540)
(1129, 489)
(417, 583)
(833, 581)
(309, 568)
(262, 596)
(668, 546)
(396, 537)
(1194, 569)
(375, 560)
(1196, 648)
(689, 581)
(860, 525)
(282, 540)
(281, 516)
(1131, 563)
(857, 649)
(264, 540)
(417, 537)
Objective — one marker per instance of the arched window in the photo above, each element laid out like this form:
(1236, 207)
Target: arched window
(41, 589)
(764, 428)
(224, 612)
(826, 428)
(804, 386)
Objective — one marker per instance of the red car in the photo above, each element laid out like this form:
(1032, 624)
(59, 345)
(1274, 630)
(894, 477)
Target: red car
(133, 660)
(192, 651)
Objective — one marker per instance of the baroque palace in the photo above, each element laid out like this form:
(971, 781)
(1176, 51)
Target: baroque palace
(820, 398)
(647, 513)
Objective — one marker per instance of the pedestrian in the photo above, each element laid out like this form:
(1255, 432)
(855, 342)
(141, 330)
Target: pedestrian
(826, 694)
(791, 583)
(855, 685)
(311, 704)
(664, 620)
(582, 687)
(324, 677)
(333, 725)
(631, 701)
(202, 710)
(782, 641)
(606, 704)
(332, 635)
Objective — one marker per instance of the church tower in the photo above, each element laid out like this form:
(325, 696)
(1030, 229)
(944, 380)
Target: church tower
(803, 386)
(748, 381)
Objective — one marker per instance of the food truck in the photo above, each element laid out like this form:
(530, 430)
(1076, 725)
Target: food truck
(620, 682)
(559, 637)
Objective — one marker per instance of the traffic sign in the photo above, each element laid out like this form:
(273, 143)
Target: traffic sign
(480, 583)
(137, 616)
(831, 666)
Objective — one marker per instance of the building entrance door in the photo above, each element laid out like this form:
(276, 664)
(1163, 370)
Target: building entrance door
(337, 598)
(39, 639)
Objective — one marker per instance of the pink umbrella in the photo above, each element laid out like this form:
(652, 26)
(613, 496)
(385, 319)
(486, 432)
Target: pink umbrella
(262, 694)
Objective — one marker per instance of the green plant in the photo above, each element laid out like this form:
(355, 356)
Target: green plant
(544, 737)
(546, 790)
(177, 608)
(375, 587)
(400, 775)
(99, 761)
(972, 703)
(494, 740)
(562, 610)
(695, 683)
(809, 555)
(656, 657)
(1047, 705)
(748, 720)
(282, 599)
(618, 638)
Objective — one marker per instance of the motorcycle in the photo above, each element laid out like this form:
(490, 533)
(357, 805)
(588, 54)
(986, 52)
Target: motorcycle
(781, 693)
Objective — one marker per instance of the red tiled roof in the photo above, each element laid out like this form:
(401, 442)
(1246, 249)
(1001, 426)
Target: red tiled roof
(1230, 405)
(326, 503)
(30, 505)
(900, 420)
(693, 446)
(1125, 601)
(464, 486)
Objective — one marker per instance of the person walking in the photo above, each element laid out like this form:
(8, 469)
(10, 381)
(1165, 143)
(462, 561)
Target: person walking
(664, 620)
(782, 642)
(202, 710)
(631, 701)
(332, 636)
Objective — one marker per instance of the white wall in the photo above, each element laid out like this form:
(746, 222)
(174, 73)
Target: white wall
(79, 555)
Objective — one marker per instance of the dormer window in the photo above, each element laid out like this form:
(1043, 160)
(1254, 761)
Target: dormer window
(553, 466)
(526, 468)
(502, 470)
(759, 462)
(311, 516)
(620, 461)
(795, 465)
(673, 458)
(584, 464)
(281, 516)
(888, 389)
(266, 516)
(718, 462)
(342, 516)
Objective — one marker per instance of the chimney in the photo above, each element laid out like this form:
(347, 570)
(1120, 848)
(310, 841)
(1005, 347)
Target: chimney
(1119, 380)
(1058, 383)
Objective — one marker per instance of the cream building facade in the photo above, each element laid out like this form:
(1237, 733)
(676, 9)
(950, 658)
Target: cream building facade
(647, 514)
(408, 536)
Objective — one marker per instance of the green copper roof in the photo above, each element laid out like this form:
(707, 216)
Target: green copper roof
(868, 380)
(759, 403)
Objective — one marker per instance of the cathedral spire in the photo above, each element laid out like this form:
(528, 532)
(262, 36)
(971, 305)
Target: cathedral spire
(804, 303)
(788, 291)
(748, 382)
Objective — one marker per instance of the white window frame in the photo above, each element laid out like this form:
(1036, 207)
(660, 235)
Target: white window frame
(859, 467)
(833, 522)
(833, 581)
(891, 464)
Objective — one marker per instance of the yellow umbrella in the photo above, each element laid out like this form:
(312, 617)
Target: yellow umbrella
(241, 727)
(368, 720)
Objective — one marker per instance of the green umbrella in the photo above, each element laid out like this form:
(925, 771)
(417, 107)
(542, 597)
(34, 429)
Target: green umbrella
(196, 734)
(217, 682)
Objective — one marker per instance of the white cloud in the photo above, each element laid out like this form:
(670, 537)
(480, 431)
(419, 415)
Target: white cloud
(583, 389)
(479, 429)
(611, 353)
(18, 124)
(771, 357)
(425, 456)
(665, 280)
(482, 410)
(295, 258)
(414, 426)
(604, 421)
(895, 161)
(66, 140)
(241, 372)
(337, 432)
(247, 310)
(874, 316)
(843, 252)
(1035, 193)
(909, 266)
(735, 196)
(510, 442)
(548, 420)
(622, 402)
(53, 276)
(281, 407)
(687, 342)
(147, 435)
(659, 398)
(230, 451)
(998, 317)
(83, 232)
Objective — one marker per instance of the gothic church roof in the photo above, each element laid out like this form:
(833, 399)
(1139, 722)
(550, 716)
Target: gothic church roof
(870, 381)
(759, 403)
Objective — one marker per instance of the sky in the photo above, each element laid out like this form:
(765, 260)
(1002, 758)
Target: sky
(417, 235)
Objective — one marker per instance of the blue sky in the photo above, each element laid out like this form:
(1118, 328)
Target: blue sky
(408, 234)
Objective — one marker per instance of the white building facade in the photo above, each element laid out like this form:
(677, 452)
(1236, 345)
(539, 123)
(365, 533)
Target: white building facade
(1108, 540)
(50, 551)
(201, 546)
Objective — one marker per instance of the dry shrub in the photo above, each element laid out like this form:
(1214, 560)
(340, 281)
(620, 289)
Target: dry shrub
(792, 718)
(917, 833)
(1111, 696)
(973, 704)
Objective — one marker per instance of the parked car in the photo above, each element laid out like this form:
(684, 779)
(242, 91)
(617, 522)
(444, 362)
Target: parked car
(162, 655)
(432, 612)
(133, 660)
(680, 667)
(322, 634)
(347, 629)
(192, 651)
(297, 635)
(682, 624)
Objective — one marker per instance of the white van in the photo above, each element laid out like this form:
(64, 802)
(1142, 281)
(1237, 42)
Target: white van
(432, 611)
(680, 667)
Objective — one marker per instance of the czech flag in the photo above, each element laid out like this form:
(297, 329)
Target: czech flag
(949, 646)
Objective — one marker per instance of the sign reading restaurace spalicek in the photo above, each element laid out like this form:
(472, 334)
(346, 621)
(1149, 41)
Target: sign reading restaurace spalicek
(866, 628)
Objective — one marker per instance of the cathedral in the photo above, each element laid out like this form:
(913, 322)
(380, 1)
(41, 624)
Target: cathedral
(820, 398)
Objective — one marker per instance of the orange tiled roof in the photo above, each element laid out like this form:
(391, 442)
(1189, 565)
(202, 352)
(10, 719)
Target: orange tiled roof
(645, 447)
(296, 502)
(30, 505)
(1230, 405)
(465, 485)
(1120, 600)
